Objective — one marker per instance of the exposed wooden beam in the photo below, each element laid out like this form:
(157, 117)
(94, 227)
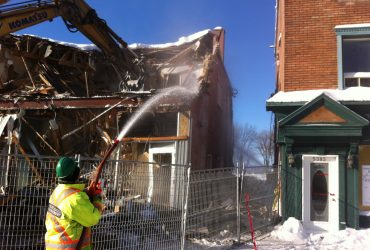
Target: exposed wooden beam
(161, 138)
(67, 103)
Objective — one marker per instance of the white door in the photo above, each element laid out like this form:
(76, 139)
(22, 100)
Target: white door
(163, 154)
(320, 189)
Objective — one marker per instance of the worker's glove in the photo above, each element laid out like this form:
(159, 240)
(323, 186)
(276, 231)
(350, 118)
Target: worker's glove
(95, 191)
(98, 204)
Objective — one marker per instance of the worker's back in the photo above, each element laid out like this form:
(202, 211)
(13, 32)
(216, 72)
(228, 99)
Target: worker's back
(70, 211)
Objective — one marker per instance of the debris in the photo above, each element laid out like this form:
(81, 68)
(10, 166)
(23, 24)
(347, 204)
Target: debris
(40, 136)
(68, 79)
(96, 117)
(33, 168)
(26, 66)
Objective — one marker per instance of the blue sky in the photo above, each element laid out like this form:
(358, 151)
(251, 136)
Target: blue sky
(249, 26)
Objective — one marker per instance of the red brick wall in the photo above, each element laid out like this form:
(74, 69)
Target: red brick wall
(308, 51)
(212, 127)
(212, 141)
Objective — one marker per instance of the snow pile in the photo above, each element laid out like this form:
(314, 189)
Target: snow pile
(349, 94)
(293, 233)
(291, 230)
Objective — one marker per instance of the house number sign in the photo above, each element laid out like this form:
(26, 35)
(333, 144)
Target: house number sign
(319, 158)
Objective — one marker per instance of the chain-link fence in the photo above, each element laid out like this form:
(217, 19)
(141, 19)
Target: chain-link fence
(25, 185)
(144, 203)
(212, 205)
(260, 183)
(148, 206)
(217, 211)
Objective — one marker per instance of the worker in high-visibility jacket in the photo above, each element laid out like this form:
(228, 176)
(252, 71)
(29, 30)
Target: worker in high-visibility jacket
(71, 211)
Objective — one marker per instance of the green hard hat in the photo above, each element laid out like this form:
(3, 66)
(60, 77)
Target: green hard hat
(66, 167)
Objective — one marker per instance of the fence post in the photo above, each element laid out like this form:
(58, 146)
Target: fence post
(185, 210)
(237, 204)
(240, 182)
(78, 159)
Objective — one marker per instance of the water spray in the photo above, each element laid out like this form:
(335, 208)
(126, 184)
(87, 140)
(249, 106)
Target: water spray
(180, 91)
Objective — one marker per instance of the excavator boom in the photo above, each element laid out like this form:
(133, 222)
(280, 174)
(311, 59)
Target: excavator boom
(77, 15)
(14, 19)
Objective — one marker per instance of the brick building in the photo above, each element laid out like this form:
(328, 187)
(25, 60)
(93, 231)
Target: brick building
(322, 110)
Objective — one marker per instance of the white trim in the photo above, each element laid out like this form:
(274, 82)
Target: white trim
(351, 26)
(159, 148)
(357, 74)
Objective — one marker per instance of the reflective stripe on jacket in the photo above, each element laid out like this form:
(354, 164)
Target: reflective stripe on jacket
(70, 210)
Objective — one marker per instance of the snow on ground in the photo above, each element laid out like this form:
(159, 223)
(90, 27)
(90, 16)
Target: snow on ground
(292, 236)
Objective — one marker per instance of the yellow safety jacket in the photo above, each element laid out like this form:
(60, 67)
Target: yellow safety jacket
(69, 211)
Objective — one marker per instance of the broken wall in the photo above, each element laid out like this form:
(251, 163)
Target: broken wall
(212, 129)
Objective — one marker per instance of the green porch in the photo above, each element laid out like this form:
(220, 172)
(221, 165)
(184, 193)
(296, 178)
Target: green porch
(325, 136)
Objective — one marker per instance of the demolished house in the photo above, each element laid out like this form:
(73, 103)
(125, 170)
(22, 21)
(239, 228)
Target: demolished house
(67, 99)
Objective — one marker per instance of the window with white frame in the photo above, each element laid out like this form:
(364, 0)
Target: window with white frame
(353, 55)
(356, 61)
(356, 79)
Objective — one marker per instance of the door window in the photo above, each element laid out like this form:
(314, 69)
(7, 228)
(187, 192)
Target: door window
(319, 192)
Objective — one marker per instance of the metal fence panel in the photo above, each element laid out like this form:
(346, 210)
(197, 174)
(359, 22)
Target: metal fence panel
(148, 206)
(261, 183)
(25, 188)
(144, 203)
(211, 205)
(144, 206)
(216, 214)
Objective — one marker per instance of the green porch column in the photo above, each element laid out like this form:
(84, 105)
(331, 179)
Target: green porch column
(292, 192)
(283, 178)
(352, 188)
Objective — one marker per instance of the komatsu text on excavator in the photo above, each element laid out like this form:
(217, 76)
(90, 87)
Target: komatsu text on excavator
(78, 16)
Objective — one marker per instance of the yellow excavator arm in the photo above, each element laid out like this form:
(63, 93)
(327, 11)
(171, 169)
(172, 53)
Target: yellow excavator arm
(12, 21)
(77, 15)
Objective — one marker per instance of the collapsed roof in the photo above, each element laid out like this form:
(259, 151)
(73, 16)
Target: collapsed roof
(68, 96)
(33, 67)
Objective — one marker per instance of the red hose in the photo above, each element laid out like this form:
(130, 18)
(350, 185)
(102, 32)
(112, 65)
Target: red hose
(247, 198)
(99, 169)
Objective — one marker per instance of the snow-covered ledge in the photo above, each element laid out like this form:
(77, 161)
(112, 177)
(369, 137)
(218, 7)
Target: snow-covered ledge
(355, 94)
